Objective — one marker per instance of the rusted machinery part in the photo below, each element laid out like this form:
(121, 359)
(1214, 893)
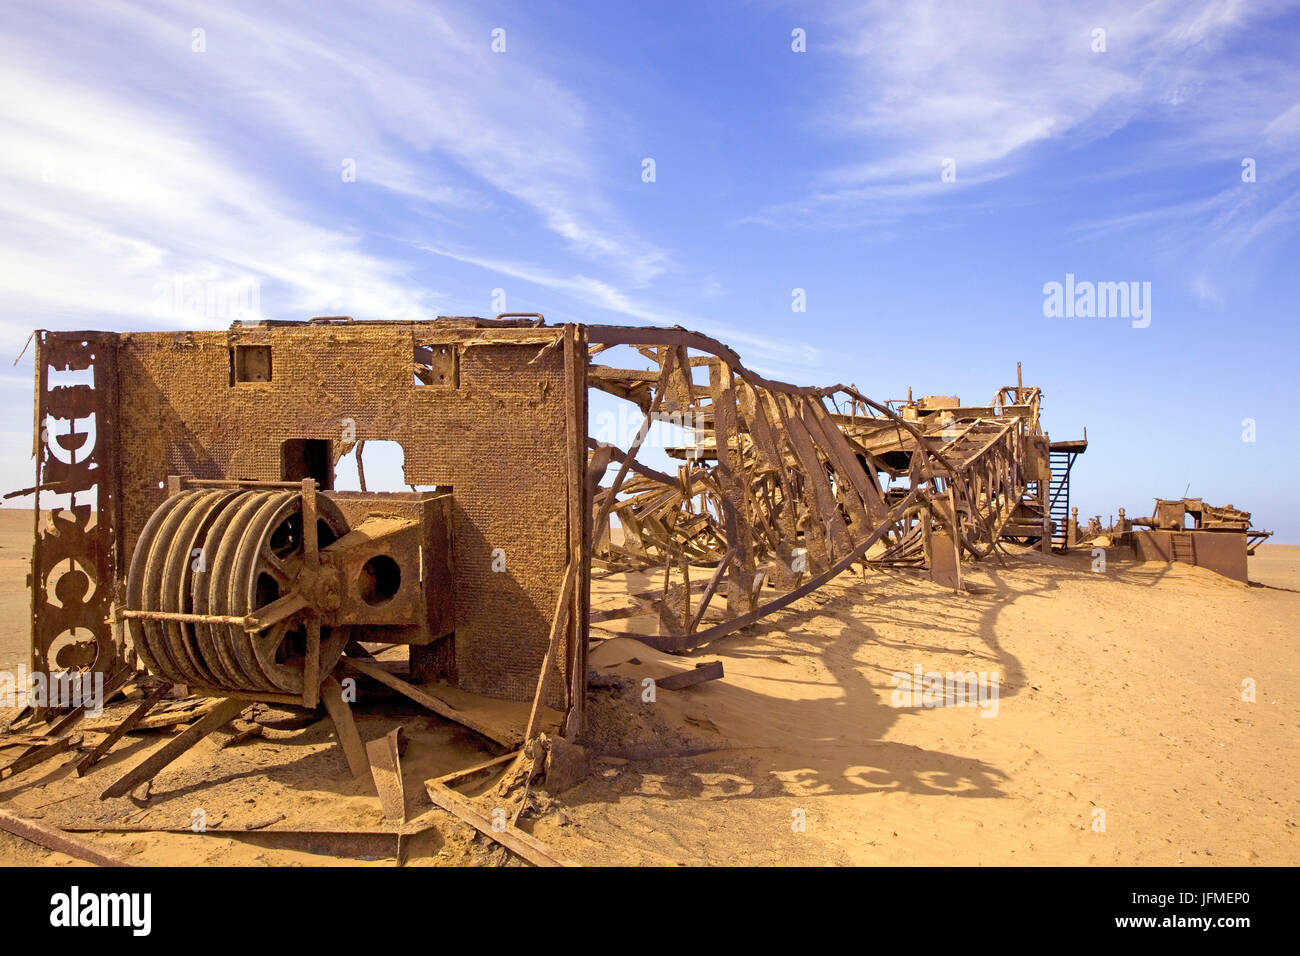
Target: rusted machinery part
(212, 638)
(230, 554)
(167, 580)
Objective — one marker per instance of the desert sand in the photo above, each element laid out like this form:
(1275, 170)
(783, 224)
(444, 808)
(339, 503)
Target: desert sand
(1118, 691)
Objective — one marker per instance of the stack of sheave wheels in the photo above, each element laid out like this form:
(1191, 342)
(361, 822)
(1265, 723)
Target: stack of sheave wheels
(226, 553)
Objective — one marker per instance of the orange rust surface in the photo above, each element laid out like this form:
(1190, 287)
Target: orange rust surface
(497, 439)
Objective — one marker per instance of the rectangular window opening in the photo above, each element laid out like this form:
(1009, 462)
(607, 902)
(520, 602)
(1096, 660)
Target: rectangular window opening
(250, 363)
(308, 458)
(437, 365)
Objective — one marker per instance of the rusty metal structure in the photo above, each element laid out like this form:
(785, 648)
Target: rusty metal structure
(778, 492)
(1188, 531)
(199, 534)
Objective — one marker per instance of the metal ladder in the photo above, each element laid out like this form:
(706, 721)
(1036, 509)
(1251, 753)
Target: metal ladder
(1058, 495)
(1181, 548)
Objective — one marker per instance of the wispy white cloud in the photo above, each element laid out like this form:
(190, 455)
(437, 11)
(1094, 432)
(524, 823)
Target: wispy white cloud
(1014, 91)
(104, 200)
(139, 160)
(767, 354)
(987, 85)
(413, 114)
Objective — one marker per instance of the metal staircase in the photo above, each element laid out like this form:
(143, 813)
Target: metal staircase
(1061, 456)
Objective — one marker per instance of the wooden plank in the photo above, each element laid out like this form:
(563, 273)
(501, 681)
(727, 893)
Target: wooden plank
(249, 697)
(425, 699)
(112, 685)
(127, 725)
(220, 715)
(456, 776)
(705, 671)
(386, 770)
(40, 754)
(162, 719)
(25, 740)
(509, 836)
(558, 622)
(56, 840)
(345, 728)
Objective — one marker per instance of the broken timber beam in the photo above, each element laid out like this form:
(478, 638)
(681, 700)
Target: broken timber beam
(439, 707)
(704, 671)
(511, 837)
(345, 728)
(220, 715)
(39, 754)
(121, 729)
(386, 769)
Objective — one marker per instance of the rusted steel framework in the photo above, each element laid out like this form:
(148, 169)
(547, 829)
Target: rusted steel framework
(1188, 531)
(197, 531)
(778, 492)
(780, 488)
(194, 529)
(75, 553)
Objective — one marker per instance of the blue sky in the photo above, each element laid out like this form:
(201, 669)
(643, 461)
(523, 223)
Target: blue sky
(135, 162)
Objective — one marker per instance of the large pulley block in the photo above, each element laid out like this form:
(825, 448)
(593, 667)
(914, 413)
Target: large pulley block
(256, 591)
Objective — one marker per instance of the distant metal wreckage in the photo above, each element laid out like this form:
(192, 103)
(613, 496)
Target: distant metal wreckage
(199, 534)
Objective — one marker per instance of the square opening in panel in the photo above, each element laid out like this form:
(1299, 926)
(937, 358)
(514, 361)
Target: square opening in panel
(250, 363)
(437, 365)
(308, 458)
(373, 465)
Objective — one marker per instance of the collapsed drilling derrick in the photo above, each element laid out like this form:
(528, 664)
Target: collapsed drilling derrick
(778, 493)
(204, 535)
(196, 531)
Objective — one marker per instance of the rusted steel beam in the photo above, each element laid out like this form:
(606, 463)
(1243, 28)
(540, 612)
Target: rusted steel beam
(439, 707)
(509, 836)
(559, 622)
(56, 840)
(147, 769)
(40, 754)
(126, 726)
(386, 771)
(345, 728)
(688, 641)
